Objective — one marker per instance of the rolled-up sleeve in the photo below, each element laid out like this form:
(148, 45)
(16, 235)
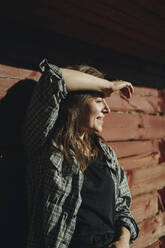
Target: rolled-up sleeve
(123, 201)
(123, 215)
(44, 106)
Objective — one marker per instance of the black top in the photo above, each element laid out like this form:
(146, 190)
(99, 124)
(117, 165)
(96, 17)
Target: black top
(95, 219)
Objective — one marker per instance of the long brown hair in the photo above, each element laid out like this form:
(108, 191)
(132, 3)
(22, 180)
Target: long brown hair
(67, 135)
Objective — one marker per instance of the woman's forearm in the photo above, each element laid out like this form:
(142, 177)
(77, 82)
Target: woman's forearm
(79, 81)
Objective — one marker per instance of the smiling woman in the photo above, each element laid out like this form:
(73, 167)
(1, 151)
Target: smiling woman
(78, 193)
(93, 114)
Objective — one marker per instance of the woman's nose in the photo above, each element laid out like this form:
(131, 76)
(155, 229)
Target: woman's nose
(106, 107)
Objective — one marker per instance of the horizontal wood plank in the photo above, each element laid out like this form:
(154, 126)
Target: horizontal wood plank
(7, 83)
(143, 100)
(150, 231)
(142, 91)
(144, 206)
(18, 73)
(133, 148)
(146, 179)
(141, 161)
(9, 76)
(124, 126)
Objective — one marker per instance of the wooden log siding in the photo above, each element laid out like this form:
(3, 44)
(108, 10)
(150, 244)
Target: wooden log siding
(151, 230)
(140, 147)
(126, 126)
(145, 206)
(139, 161)
(144, 100)
(147, 179)
(136, 130)
(9, 76)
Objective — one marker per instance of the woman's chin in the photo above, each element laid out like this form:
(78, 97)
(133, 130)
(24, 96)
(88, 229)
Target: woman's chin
(98, 130)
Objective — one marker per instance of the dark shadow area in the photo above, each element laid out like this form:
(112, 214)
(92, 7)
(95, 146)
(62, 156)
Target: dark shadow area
(13, 208)
(31, 44)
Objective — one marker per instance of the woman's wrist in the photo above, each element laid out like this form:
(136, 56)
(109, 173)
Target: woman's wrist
(125, 235)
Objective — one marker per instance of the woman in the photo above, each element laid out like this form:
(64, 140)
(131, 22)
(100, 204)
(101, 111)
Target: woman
(77, 192)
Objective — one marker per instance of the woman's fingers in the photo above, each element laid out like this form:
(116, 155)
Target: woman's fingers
(126, 92)
(125, 89)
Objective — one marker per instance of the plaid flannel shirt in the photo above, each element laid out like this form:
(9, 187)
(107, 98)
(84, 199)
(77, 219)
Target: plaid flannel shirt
(54, 186)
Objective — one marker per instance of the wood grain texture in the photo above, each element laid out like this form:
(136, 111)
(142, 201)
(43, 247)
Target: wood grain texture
(143, 100)
(134, 148)
(140, 161)
(144, 206)
(18, 73)
(146, 179)
(119, 126)
(9, 76)
(150, 231)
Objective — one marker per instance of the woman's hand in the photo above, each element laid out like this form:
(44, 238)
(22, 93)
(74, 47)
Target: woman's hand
(125, 88)
(119, 244)
(123, 241)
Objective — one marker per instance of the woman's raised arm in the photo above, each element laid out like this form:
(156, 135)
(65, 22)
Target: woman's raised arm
(79, 81)
(52, 87)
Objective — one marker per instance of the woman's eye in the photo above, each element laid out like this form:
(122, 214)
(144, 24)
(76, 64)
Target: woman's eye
(99, 100)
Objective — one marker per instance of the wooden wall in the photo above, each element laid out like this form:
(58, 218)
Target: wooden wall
(135, 129)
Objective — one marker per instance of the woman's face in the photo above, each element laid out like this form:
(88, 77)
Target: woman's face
(92, 115)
